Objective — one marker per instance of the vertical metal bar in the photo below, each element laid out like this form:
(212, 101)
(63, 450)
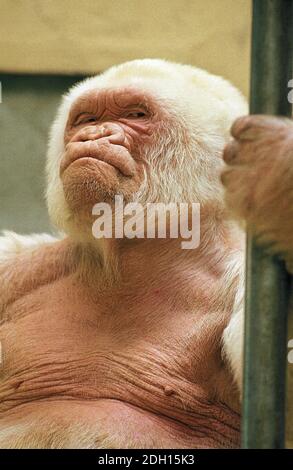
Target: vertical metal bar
(263, 417)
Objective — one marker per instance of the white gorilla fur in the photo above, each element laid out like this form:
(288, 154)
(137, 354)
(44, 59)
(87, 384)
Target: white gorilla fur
(205, 105)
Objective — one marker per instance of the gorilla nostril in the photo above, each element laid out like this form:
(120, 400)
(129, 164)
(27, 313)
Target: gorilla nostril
(91, 133)
(106, 130)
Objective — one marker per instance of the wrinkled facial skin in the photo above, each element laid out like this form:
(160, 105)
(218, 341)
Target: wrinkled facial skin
(104, 139)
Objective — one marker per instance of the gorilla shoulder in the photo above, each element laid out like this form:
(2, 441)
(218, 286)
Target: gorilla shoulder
(13, 244)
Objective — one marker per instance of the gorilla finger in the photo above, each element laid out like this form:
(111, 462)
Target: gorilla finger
(228, 176)
(231, 152)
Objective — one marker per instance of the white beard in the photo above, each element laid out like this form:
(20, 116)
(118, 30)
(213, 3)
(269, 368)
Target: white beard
(180, 171)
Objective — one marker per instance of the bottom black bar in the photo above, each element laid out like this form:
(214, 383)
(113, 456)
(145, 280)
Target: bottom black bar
(133, 459)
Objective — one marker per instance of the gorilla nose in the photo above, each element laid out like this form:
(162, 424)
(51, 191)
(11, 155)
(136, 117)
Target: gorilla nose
(112, 132)
(115, 133)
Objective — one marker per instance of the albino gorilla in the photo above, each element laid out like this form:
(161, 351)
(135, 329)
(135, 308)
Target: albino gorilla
(128, 343)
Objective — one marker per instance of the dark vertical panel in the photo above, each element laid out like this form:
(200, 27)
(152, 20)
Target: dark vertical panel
(263, 421)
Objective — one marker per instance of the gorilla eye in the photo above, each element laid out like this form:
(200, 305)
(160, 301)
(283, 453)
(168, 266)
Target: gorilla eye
(84, 120)
(136, 115)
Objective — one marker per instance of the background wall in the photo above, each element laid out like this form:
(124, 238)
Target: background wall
(73, 36)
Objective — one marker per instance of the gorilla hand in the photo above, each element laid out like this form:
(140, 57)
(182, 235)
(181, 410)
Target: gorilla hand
(259, 179)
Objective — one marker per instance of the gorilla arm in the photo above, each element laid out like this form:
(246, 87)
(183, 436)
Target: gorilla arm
(12, 247)
(259, 189)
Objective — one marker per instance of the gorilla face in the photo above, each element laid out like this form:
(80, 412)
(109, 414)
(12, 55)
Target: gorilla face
(148, 130)
(107, 140)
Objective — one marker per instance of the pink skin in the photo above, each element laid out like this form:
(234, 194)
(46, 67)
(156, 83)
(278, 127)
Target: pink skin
(138, 358)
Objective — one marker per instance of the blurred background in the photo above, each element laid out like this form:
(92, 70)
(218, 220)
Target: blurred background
(47, 45)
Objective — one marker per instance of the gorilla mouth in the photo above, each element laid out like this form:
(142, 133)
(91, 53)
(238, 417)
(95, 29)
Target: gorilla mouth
(85, 160)
(114, 155)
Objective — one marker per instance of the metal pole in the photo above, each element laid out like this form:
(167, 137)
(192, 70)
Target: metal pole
(263, 417)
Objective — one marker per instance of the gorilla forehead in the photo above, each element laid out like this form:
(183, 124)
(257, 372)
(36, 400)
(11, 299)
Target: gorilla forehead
(115, 98)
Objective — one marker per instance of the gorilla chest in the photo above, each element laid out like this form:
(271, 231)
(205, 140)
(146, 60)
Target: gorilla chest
(60, 344)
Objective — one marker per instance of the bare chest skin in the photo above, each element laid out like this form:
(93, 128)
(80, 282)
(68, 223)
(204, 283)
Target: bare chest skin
(127, 367)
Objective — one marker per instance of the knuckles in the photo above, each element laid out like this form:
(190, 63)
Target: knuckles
(256, 126)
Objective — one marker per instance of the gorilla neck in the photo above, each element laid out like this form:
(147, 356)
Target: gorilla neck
(138, 263)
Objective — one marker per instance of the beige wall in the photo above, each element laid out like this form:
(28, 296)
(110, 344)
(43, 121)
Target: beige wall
(73, 36)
